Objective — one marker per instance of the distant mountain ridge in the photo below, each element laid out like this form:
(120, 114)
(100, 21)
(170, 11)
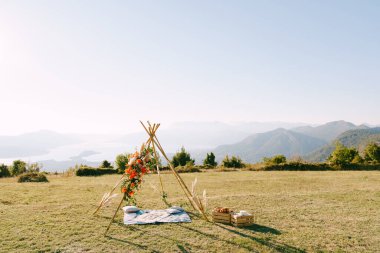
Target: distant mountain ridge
(279, 141)
(330, 130)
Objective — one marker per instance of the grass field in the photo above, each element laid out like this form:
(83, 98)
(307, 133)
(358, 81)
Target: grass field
(296, 212)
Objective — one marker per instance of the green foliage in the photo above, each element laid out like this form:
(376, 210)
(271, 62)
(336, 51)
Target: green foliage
(105, 164)
(181, 158)
(188, 169)
(210, 160)
(372, 153)
(297, 166)
(33, 167)
(18, 167)
(121, 162)
(277, 159)
(32, 177)
(85, 171)
(4, 171)
(343, 156)
(234, 162)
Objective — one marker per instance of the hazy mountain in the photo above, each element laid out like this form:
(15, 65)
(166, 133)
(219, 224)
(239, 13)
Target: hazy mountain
(357, 138)
(35, 143)
(204, 135)
(328, 131)
(279, 141)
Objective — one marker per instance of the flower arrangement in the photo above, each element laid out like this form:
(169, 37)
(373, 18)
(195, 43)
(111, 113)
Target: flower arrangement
(140, 163)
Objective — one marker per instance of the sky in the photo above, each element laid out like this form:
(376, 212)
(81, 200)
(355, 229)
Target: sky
(100, 66)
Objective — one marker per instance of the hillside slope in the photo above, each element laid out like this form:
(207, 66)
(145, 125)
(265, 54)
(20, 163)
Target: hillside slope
(279, 141)
(357, 138)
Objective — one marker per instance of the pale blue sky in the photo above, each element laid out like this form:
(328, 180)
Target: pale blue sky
(99, 66)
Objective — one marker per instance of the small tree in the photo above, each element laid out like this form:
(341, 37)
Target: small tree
(33, 167)
(4, 171)
(277, 159)
(181, 158)
(105, 164)
(372, 153)
(342, 155)
(234, 162)
(210, 160)
(121, 162)
(18, 167)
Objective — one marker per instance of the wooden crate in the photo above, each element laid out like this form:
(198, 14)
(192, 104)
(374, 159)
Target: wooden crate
(221, 217)
(242, 221)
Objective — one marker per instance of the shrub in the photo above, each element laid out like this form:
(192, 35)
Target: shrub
(121, 162)
(33, 167)
(188, 169)
(277, 159)
(18, 167)
(32, 177)
(85, 171)
(296, 166)
(234, 162)
(372, 153)
(181, 158)
(210, 160)
(343, 156)
(4, 171)
(105, 164)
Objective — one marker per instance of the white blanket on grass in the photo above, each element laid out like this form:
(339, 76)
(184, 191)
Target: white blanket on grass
(155, 216)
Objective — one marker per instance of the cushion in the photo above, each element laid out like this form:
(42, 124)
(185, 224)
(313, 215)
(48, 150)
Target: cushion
(130, 209)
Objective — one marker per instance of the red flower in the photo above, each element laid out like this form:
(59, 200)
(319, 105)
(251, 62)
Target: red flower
(132, 185)
(131, 193)
(143, 170)
(124, 190)
(139, 161)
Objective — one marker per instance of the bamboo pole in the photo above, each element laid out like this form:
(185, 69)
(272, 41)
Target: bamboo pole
(179, 179)
(109, 225)
(109, 194)
(156, 157)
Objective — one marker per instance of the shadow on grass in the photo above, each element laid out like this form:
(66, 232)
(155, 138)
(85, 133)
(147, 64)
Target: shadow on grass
(184, 246)
(262, 229)
(280, 247)
(139, 246)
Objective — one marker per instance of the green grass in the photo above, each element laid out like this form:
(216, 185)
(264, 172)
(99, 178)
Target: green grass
(296, 212)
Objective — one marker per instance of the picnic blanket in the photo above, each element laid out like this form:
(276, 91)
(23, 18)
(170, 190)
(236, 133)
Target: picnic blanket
(155, 216)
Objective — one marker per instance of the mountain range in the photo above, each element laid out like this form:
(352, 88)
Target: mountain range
(250, 140)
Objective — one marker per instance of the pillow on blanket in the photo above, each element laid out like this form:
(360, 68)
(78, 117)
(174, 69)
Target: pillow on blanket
(175, 209)
(130, 209)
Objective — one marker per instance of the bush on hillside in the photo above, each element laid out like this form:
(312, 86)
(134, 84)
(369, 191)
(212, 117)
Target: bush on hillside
(33, 177)
(18, 167)
(372, 153)
(4, 171)
(296, 166)
(277, 159)
(234, 162)
(343, 156)
(181, 158)
(121, 162)
(86, 171)
(188, 169)
(209, 161)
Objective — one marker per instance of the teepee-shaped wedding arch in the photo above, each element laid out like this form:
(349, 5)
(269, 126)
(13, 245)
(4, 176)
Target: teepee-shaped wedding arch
(148, 156)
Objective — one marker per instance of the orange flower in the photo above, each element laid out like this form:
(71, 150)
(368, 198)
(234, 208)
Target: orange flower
(124, 190)
(139, 161)
(132, 185)
(131, 193)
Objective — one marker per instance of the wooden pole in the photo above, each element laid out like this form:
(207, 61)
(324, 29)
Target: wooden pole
(109, 194)
(109, 225)
(179, 179)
